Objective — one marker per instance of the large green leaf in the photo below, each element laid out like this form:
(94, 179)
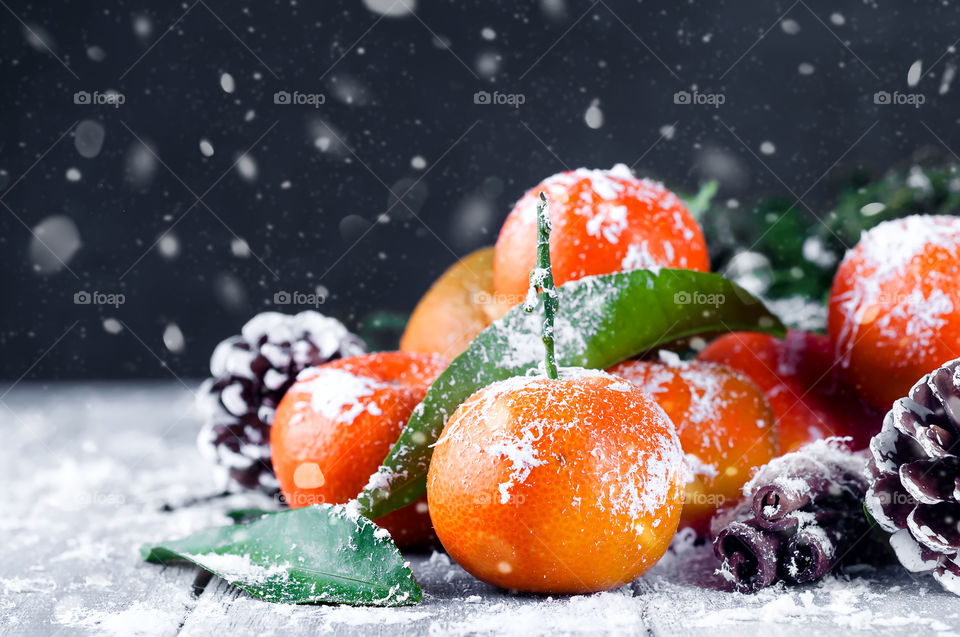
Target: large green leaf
(602, 321)
(314, 554)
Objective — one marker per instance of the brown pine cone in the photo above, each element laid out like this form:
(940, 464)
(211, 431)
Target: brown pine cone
(251, 373)
(915, 485)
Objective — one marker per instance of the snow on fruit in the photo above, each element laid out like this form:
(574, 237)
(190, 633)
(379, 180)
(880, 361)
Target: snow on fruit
(604, 221)
(336, 424)
(894, 310)
(725, 426)
(557, 486)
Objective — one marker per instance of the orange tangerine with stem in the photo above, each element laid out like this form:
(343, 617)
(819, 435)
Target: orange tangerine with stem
(569, 481)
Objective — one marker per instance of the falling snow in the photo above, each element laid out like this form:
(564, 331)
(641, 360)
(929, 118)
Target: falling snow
(88, 138)
(169, 246)
(173, 338)
(53, 244)
(914, 73)
(790, 26)
(594, 116)
(227, 83)
(239, 248)
(142, 26)
(391, 8)
(247, 167)
(112, 326)
(96, 53)
(141, 165)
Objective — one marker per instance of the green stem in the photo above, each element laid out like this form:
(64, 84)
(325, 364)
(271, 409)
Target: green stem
(541, 284)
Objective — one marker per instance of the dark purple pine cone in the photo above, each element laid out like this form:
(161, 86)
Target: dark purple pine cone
(801, 515)
(915, 486)
(251, 373)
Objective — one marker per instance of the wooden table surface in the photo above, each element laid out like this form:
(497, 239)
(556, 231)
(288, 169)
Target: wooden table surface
(88, 467)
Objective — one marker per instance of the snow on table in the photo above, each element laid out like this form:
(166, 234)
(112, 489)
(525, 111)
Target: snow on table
(88, 467)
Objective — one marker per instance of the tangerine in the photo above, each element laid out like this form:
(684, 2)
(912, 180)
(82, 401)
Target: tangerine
(604, 221)
(894, 310)
(457, 307)
(557, 486)
(336, 424)
(798, 375)
(724, 423)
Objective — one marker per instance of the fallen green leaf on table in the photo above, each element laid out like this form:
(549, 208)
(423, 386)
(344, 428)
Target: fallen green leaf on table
(314, 554)
(602, 320)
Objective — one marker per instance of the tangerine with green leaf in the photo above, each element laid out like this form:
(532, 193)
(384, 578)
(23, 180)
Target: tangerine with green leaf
(336, 424)
(570, 481)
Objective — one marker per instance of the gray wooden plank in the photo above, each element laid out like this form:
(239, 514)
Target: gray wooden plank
(86, 468)
(454, 604)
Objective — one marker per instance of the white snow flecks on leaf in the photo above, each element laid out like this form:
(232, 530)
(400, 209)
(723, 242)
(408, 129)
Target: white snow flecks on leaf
(240, 568)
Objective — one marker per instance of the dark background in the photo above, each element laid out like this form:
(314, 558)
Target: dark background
(800, 76)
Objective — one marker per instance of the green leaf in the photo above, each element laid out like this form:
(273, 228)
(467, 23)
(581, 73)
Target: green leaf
(602, 321)
(313, 554)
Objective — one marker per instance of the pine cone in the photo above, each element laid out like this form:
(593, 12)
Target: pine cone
(800, 517)
(251, 373)
(915, 486)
